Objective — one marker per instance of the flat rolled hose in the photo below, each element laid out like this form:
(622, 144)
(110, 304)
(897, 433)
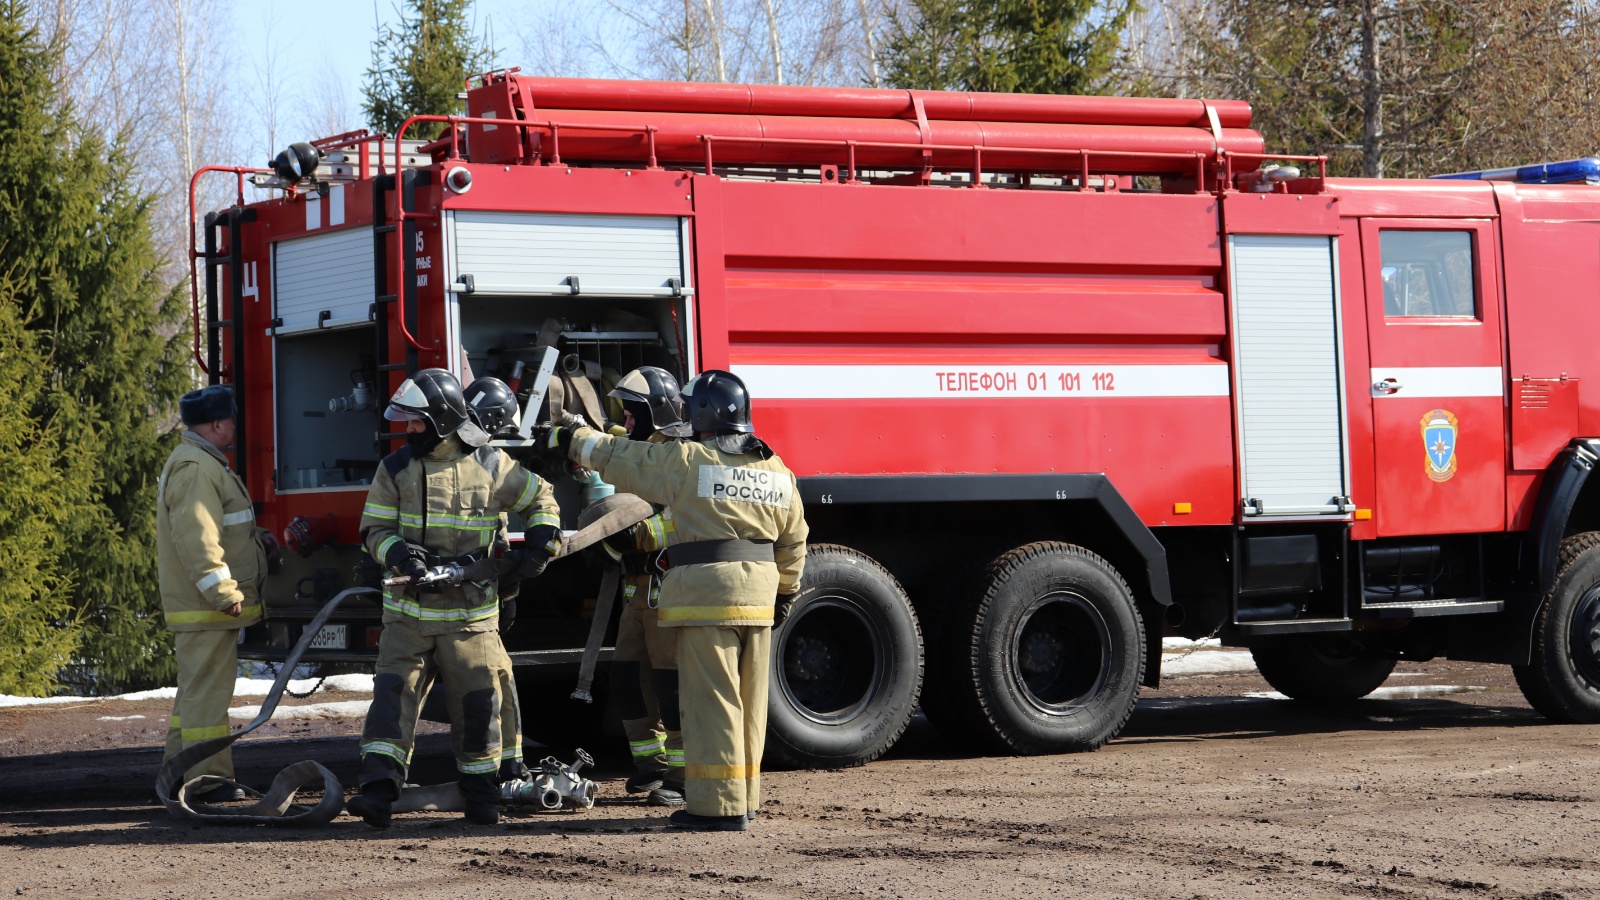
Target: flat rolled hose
(603, 518)
(276, 806)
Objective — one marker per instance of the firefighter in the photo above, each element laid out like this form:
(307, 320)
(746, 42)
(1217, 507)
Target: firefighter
(739, 548)
(645, 661)
(494, 405)
(436, 501)
(212, 562)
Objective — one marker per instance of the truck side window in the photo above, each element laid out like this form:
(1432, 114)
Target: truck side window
(1428, 274)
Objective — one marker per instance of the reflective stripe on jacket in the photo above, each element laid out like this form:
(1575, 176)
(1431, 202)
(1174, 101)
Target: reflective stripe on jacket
(712, 495)
(449, 502)
(206, 548)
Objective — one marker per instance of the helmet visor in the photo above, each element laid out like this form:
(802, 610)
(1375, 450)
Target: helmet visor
(396, 414)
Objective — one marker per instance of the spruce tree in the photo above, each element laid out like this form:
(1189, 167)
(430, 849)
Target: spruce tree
(38, 624)
(419, 66)
(1023, 46)
(75, 242)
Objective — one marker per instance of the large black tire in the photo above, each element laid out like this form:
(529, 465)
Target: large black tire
(1563, 680)
(846, 664)
(1047, 652)
(1320, 669)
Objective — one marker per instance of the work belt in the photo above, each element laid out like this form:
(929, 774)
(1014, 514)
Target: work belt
(696, 553)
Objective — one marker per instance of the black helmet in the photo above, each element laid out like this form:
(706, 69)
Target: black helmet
(656, 392)
(718, 403)
(491, 399)
(434, 396)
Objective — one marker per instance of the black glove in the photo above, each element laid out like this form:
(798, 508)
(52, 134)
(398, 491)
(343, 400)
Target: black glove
(541, 543)
(508, 615)
(623, 542)
(407, 559)
(781, 610)
(553, 440)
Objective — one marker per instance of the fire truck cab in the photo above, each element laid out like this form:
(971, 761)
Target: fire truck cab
(1058, 375)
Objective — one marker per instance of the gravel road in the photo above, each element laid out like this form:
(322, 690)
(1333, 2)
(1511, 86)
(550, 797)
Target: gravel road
(1209, 793)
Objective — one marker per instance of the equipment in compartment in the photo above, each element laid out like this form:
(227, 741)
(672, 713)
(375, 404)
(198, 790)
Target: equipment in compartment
(325, 440)
(596, 343)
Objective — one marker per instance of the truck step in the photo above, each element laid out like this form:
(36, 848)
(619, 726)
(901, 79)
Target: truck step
(1462, 607)
(1294, 626)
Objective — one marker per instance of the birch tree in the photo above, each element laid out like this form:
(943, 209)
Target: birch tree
(1401, 87)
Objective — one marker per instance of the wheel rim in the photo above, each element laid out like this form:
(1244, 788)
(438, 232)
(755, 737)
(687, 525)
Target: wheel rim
(1585, 638)
(1058, 658)
(828, 665)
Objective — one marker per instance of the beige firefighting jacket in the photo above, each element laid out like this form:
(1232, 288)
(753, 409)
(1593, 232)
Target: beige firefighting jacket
(640, 579)
(206, 548)
(449, 502)
(713, 496)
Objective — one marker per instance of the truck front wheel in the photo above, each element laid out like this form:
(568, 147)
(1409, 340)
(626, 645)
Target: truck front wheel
(846, 664)
(1051, 645)
(1563, 680)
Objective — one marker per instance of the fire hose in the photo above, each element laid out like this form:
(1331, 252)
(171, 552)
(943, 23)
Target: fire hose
(277, 806)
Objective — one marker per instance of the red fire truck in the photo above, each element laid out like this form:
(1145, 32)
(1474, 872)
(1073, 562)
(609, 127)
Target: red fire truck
(1059, 376)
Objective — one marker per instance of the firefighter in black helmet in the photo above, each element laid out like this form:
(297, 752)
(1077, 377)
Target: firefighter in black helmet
(437, 500)
(494, 404)
(645, 661)
(740, 543)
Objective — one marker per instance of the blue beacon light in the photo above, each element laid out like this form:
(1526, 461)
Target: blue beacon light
(1586, 171)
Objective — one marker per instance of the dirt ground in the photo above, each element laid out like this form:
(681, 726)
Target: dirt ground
(1207, 794)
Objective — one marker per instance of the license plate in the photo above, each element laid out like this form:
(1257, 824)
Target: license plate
(331, 637)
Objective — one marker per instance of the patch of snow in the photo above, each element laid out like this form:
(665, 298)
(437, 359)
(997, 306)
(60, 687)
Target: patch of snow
(119, 718)
(1398, 692)
(343, 709)
(244, 687)
(1207, 662)
(1178, 643)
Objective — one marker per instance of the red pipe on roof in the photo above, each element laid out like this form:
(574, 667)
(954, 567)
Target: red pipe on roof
(870, 103)
(754, 140)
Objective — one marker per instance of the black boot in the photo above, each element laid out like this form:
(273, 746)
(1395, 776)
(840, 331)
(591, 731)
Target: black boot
(643, 781)
(483, 799)
(670, 793)
(691, 822)
(373, 803)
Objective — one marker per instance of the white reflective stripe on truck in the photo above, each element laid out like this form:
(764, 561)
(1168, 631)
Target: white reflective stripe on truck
(967, 380)
(1441, 381)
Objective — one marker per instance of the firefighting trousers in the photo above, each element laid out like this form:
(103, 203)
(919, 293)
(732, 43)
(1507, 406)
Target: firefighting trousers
(723, 673)
(208, 665)
(644, 682)
(470, 667)
(510, 719)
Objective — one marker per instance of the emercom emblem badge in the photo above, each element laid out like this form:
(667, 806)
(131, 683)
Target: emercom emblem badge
(1439, 429)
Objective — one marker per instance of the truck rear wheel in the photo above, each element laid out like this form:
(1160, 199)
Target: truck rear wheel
(1563, 680)
(1050, 647)
(846, 664)
(1320, 669)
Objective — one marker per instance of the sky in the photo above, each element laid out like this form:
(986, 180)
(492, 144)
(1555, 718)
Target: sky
(323, 63)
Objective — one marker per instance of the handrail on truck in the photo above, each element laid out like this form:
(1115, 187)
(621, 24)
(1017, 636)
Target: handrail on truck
(194, 285)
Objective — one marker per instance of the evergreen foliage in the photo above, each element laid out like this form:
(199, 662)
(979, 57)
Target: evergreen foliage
(85, 281)
(38, 626)
(1024, 46)
(420, 66)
